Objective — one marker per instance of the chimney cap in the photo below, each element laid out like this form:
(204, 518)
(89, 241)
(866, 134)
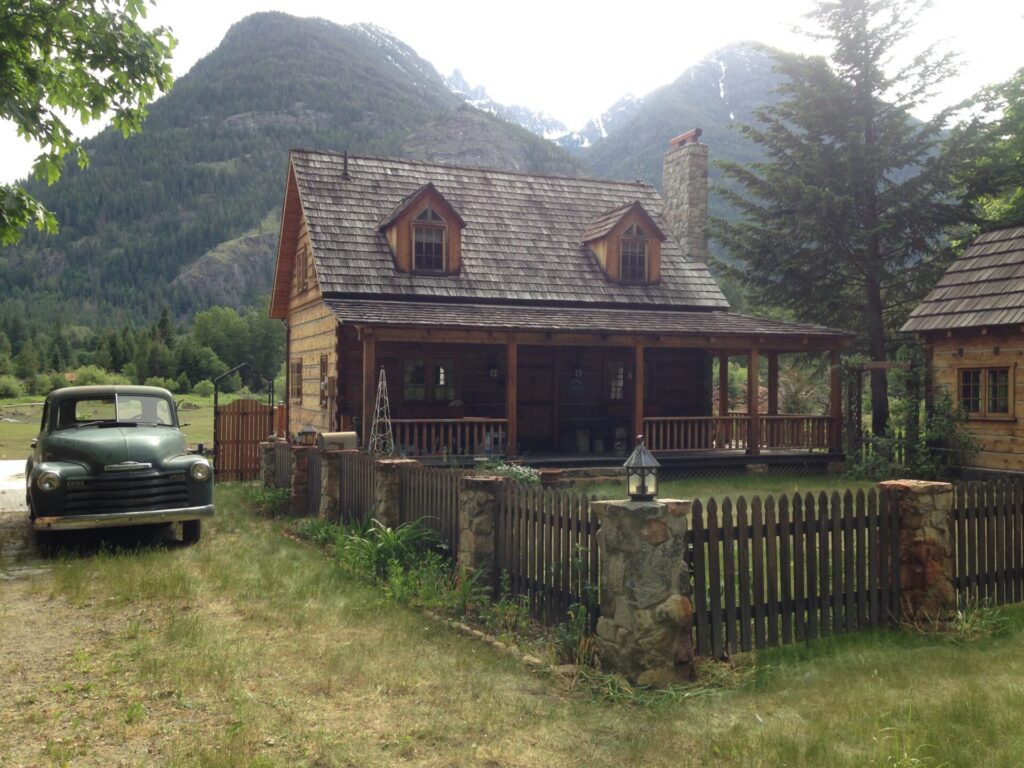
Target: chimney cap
(690, 137)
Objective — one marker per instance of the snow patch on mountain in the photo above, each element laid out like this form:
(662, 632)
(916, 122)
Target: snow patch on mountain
(538, 123)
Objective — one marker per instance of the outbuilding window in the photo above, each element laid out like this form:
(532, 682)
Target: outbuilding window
(986, 392)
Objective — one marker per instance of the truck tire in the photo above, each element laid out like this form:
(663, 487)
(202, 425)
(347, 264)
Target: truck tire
(191, 531)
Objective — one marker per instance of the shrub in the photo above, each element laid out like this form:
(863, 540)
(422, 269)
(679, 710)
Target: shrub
(318, 530)
(382, 549)
(11, 386)
(160, 381)
(518, 472)
(269, 502)
(44, 383)
(92, 374)
(203, 388)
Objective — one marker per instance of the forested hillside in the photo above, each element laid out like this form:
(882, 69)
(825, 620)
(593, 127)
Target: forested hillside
(209, 167)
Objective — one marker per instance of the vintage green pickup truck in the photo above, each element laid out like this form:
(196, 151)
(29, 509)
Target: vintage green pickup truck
(114, 456)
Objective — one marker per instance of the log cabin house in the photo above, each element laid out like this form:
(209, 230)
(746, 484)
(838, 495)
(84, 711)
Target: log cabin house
(522, 314)
(972, 324)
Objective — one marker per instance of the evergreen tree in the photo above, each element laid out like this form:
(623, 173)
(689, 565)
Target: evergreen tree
(6, 364)
(27, 363)
(164, 328)
(843, 220)
(995, 137)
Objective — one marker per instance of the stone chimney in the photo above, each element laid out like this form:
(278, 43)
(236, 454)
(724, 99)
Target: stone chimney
(685, 184)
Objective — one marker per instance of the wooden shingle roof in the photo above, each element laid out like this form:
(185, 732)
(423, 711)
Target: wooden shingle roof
(984, 287)
(522, 240)
(497, 317)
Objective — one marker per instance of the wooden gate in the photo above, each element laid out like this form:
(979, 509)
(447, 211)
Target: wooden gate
(239, 429)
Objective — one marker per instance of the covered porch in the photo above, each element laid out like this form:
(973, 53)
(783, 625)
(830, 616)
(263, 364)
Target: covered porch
(539, 394)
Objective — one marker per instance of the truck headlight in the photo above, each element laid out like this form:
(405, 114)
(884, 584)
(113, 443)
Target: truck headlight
(48, 481)
(200, 471)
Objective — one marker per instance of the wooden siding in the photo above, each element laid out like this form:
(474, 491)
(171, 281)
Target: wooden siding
(312, 334)
(1001, 440)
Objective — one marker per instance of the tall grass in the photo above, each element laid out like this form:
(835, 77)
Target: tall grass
(253, 649)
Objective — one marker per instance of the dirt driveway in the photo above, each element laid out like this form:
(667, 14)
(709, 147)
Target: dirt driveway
(17, 545)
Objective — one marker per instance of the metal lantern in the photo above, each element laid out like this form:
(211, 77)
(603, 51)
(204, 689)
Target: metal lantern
(307, 436)
(641, 473)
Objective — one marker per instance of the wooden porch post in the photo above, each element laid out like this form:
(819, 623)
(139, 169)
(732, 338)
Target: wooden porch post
(836, 397)
(369, 366)
(638, 389)
(753, 417)
(771, 427)
(512, 393)
(723, 383)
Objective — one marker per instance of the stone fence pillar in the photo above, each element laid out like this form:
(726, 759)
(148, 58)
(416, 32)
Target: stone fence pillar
(330, 484)
(268, 464)
(478, 510)
(387, 494)
(646, 627)
(926, 548)
(300, 479)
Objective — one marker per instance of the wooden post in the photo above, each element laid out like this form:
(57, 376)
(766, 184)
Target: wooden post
(771, 427)
(369, 382)
(836, 397)
(638, 389)
(723, 383)
(512, 393)
(753, 391)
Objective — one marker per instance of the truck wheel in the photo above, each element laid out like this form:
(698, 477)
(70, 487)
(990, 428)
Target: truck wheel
(191, 530)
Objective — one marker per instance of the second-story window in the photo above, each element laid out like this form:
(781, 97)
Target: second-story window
(633, 255)
(428, 242)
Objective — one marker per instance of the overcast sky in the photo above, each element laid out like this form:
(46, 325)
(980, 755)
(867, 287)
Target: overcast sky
(573, 60)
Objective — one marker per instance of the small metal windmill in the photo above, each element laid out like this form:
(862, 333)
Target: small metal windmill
(382, 441)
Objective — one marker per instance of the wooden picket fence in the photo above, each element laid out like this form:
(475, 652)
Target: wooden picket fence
(545, 543)
(356, 486)
(791, 569)
(431, 495)
(988, 532)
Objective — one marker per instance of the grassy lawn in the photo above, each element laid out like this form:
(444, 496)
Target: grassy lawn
(254, 649)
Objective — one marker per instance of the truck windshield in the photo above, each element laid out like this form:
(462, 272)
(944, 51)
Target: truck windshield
(114, 409)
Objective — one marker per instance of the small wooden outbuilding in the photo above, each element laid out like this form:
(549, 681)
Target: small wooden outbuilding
(973, 325)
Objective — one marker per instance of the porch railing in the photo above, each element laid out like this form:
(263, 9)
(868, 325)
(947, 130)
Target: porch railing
(710, 433)
(450, 437)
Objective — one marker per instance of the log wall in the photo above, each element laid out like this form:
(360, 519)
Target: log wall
(1001, 439)
(312, 333)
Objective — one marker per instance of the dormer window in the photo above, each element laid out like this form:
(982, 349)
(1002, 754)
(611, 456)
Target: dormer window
(633, 255)
(425, 233)
(428, 242)
(626, 242)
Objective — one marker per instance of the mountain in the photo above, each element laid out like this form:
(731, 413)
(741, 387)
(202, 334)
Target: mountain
(716, 94)
(172, 216)
(536, 123)
(614, 118)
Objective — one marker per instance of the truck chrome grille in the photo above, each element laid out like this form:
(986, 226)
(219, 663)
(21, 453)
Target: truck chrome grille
(134, 492)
